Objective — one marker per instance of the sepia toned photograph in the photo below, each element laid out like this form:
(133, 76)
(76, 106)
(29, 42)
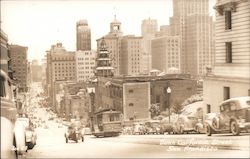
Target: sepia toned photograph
(125, 79)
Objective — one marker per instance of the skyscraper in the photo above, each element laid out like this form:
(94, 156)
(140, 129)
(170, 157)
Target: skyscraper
(193, 16)
(149, 28)
(19, 64)
(83, 36)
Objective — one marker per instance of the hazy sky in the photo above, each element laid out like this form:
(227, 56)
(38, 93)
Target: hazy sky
(39, 24)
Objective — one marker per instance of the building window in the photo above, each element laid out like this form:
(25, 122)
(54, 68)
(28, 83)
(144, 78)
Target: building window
(158, 99)
(131, 91)
(131, 104)
(249, 92)
(208, 108)
(226, 93)
(228, 52)
(228, 20)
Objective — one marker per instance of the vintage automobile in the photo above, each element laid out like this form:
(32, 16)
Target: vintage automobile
(187, 124)
(152, 127)
(166, 126)
(234, 117)
(12, 134)
(30, 134)
(74, 133)
(31, 137)
(139, 129)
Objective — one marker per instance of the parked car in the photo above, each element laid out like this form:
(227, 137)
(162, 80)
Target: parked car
(87, 131)
(139, 128)
(187, 124)
(166, 126)
(152, 127)
(234, 117)
(30, 134)
(31, 137)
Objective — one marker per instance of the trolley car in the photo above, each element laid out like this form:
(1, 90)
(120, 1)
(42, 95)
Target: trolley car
(107, 123)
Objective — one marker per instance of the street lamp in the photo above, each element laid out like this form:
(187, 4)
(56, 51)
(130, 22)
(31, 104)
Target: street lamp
(169, 92)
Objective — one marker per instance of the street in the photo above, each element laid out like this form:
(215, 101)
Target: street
(51, 144)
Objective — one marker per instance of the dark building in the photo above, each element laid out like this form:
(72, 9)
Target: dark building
(19, 64)
(83, 35)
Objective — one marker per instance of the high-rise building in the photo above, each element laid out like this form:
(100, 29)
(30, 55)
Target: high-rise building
(184, 12)
(83, 35)
(199, 43)
(113, 44)
(19, 64)
(149, 28)
(60, 67)
(230, 74)
(36, 69)
(166, 53)
(131, 55)
(85, 65)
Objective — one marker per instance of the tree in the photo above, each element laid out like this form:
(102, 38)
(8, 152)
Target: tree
(177, 107)
(155, 110)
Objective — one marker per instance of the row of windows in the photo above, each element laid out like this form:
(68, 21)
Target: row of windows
(83, 68)
(86, 63)
(83, 72)
(86, 58)
(64, 64)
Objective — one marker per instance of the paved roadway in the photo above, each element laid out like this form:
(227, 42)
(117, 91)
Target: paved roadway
(51, 144)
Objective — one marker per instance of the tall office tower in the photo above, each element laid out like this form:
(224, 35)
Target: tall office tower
(131, 55)
(184, 12)
(19, 64)
(60, 68)
(83, 35)
(149, 28)
(113, 44)
(103, 62)
(85, 65)
(166, 53)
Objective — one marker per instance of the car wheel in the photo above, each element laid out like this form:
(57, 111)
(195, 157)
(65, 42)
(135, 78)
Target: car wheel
(82, 139)
(235, 128)
(67, 140)
(197, 129)
(208, 130)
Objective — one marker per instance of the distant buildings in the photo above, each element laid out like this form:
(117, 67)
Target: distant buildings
(149, 28)
(60, 67)
(83, 35)
(85, 65)
(133, 96)
(131, 62)
(230, 74)
(165, 53)
(36, 71)
(191, 21)
(113, 44)
(19, 64)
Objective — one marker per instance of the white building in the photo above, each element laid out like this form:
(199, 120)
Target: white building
(229, 76)
(85, 64)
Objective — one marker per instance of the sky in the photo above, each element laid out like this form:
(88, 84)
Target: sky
(38, 24)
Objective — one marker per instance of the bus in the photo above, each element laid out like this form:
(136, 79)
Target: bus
(107, 123)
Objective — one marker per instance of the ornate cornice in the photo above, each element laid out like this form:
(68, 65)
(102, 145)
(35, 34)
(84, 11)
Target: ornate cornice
(226, 5)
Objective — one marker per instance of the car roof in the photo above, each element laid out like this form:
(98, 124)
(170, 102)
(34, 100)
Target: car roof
(237, 99)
